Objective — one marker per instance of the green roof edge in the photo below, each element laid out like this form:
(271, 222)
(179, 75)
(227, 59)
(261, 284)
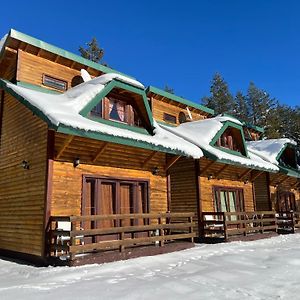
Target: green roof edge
(61, 52)
(179, 99)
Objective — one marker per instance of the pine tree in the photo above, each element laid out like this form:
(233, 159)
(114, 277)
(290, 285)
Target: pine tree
(241, 109)
(221, 100)
(260, 105)
(93, 52)
(168, 89)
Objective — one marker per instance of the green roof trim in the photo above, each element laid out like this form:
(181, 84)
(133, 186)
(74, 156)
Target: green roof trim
(179, 99)
(226, 125)
(59, 51)
(117, 140)
(289, 171)
(36, 111)
(118, 84)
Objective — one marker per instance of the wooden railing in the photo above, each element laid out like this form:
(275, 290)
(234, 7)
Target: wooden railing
(288, 221)
(225, 225)
(127, 230)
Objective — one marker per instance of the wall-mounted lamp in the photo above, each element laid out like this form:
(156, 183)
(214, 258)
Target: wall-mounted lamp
(76, 162)
(246, 181)
(155, 171)
(209, 177)
(25, 165)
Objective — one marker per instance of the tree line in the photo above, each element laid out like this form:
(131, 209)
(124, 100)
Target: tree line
(257, 107)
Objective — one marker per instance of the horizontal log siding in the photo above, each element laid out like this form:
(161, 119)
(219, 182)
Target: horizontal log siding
(31, 69)
(116, 161)
(228, 178)
(22, 192)
(262, 193)
(159, 107)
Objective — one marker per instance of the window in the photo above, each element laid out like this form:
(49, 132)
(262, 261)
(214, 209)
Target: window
(55, 83)
(228, 199)
(182, 117)
(231, 139)
(170, 118)
(111, 108)
(289, 158)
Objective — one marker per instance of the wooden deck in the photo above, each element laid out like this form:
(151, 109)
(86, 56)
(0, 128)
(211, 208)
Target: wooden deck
(128, 231)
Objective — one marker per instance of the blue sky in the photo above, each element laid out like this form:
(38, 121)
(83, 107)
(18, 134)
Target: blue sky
(179, 43)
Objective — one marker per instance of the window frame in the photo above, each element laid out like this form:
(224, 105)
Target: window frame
(55, 79)
(167, 118)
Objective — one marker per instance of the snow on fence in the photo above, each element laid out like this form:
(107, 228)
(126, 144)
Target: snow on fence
(71, 235)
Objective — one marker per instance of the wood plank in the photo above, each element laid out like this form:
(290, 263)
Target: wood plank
(100, 152)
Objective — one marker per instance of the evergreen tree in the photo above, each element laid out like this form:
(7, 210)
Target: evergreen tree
(260, 105)
(168, 89)
(93, 52)
(220, 100)
(241, 108)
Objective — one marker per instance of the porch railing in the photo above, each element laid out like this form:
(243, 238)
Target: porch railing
(229, 224)
(288, 221)
(126, 230)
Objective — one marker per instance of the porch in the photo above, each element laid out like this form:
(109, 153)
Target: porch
(129, 235)
(230, 226)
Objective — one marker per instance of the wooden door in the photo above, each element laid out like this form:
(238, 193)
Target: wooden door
(286, 202)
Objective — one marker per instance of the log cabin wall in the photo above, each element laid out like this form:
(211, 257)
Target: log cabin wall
(262, 193)
(159, 107)
(22, 192)
(31, 69)
(227, 178)
(117, 161)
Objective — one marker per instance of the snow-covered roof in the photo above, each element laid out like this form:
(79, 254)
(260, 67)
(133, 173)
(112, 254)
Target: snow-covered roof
(63, 109)
(201, 133)
(2, 41)
(269, 149)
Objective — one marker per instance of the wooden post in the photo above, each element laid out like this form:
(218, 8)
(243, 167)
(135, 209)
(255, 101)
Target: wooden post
(122, 247)
(191, 228)
(198, 199)
(225, 226)
(72, 240)
(161, 231)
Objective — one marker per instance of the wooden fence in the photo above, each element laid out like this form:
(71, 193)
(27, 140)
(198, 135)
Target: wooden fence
(225, 224)
(127, 230)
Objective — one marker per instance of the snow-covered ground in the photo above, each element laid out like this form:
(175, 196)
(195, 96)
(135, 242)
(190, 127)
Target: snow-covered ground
(264, 269)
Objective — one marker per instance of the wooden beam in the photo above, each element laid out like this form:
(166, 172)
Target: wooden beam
(206, 167)
(198, 198)
(171, 162)
(101, 150)
(64, 146)
(221, 170)
(148, 159)
(276, 178)
(257, 175)
(295, 184)
(244, 174)
(283, 180)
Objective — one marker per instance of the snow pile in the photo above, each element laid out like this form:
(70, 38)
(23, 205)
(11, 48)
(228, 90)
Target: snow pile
(2, 41)
(263, 270)
(269, 149)
(63, 109)
(201, 134)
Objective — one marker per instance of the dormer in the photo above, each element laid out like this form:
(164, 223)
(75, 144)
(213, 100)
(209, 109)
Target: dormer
(230, 138)
(288, 157)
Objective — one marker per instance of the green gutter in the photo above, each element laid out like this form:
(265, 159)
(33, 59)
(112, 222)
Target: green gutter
(179, 99)
(59, 51)
(289, 172)
(37, 88)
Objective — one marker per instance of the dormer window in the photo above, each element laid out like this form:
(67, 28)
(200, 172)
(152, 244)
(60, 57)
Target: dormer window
(231, 139)
(289, 158)
(111, 108)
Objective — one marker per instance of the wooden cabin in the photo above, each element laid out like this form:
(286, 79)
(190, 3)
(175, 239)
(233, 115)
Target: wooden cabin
(285, 185)
(172, 110)
(84, 168)
(222, 187)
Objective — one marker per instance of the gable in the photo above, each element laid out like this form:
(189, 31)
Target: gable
(120, 104)
(231, 139)
(288, 157)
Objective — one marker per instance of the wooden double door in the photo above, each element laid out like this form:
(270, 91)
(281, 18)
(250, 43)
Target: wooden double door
(107, 196)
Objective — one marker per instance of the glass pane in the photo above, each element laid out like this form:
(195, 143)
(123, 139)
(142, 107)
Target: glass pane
(97, 110)
(223, 201)
(117, 110)
(232, 202)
